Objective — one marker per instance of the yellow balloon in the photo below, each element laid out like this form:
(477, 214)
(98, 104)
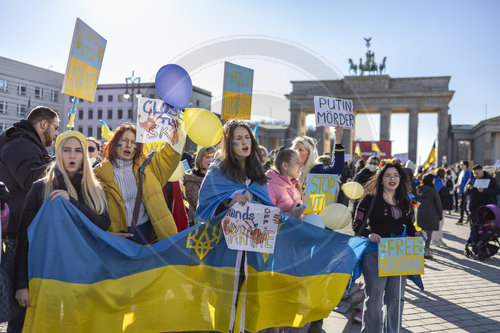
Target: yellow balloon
(353, 190)
(336, 216)
(203, 127)
(178, 173)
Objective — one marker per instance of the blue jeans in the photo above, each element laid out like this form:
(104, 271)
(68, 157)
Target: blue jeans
(380, 291)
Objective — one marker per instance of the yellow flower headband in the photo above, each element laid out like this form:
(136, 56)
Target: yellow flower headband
(69, 134)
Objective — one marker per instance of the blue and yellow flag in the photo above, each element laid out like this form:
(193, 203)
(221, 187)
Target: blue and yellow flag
(375, 149)
(432, 156)
(84, 279)
(357, 150)
(106, 133)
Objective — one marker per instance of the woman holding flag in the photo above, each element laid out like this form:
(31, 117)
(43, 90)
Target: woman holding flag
(384, 211)
(133, 184)
(69, 177)
(236, 176)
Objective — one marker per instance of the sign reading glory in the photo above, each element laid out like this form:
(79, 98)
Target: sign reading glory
(84, 63)
(237, 92)
(331, 111)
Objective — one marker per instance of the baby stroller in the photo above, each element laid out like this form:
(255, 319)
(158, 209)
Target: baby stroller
(484, 233)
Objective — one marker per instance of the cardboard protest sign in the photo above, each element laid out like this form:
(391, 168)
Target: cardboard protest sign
(331, 111)
(252, 227)
(482, 183)
(237, 92)
(321, 190)
(401, 256)
(157, 123)
(84, 62)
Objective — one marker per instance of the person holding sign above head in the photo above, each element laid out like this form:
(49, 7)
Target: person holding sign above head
(235, 174)
(383, 211)
(284, 185)
(306, 148)
(70, 177)
(133, 184)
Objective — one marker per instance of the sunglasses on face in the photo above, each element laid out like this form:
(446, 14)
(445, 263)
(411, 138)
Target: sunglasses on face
(92, 149)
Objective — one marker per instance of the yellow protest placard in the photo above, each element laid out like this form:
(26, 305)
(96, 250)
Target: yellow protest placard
(401, 256)
(321, 190)
(84, 62)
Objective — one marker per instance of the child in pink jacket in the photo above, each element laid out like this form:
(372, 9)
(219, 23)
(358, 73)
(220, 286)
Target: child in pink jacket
(283, 185)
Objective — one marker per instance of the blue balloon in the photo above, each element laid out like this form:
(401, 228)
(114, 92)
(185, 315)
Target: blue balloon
(174, 86)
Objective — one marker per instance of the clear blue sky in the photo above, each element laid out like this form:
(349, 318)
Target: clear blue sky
(419, 38)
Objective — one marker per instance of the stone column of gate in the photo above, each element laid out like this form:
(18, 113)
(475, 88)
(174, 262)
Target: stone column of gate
(385, 124)
(297, 121)
(412, 134)
(442, 135)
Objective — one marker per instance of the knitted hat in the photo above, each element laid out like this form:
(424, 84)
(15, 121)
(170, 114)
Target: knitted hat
(69, 134)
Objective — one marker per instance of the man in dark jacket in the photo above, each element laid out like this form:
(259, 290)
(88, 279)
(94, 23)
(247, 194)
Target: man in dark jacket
(23, 159)
(481, 193)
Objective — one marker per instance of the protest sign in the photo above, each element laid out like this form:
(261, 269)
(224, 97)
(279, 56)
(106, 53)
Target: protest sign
(157, 122)
(84, 62)
(401, 256)
(237, 92)
(482, 183)
(331, 111)
(252, 227)
(321, 190)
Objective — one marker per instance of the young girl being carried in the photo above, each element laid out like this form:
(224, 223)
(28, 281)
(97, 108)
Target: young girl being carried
(284, 186)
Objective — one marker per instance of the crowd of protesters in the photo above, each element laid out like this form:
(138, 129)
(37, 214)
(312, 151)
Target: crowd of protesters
(122, 190)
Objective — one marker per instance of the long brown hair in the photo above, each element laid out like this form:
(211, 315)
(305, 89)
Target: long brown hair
(110, 150)
(229, 165)
(374, 186)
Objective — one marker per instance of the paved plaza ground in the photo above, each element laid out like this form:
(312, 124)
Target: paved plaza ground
(461, 294)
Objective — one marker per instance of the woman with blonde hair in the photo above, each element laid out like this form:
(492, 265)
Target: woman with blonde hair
(71, 177)
(306, 148)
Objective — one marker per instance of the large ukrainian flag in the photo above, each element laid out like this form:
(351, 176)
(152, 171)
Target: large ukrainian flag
(85, 280)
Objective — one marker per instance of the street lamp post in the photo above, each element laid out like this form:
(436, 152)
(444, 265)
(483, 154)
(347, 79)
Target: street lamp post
(132, 81)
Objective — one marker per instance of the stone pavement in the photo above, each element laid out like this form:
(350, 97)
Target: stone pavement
(461, 294)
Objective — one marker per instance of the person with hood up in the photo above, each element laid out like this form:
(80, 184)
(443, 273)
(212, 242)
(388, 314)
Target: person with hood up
(430, 211)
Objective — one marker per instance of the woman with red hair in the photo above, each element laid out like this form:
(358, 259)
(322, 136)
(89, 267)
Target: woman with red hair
(136, 204)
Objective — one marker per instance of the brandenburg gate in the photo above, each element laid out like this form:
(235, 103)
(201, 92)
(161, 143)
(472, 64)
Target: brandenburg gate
(377, 94)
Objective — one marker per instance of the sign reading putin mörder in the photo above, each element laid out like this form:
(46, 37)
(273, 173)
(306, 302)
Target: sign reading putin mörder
(321, 190)
(331, 111)
(237, 92)
(401, 256)
(84, 62)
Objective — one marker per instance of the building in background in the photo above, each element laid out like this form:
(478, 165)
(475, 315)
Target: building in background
(23, 86)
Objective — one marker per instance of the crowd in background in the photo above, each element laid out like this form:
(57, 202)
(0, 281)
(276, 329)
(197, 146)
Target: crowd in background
(125, 192)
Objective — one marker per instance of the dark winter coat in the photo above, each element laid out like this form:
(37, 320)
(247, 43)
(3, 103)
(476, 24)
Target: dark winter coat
(34, 201)
(487, 196)
(430, 211)
(363, 176)
(23, 160)
(192, 184)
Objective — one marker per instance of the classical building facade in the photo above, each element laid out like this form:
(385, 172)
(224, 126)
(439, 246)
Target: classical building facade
(23, 85)
(479, 143)
(377, 94)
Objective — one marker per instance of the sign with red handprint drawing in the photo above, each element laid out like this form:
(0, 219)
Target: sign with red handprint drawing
(252, 227)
